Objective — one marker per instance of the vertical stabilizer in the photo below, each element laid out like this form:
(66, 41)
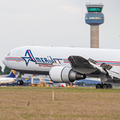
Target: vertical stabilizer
(12, 74)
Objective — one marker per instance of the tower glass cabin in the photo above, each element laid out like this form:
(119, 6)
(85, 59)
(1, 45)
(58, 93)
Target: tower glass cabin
(94, 18)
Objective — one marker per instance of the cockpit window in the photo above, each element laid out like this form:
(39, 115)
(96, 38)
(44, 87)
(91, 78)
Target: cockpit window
(8, 54)
(19, 53)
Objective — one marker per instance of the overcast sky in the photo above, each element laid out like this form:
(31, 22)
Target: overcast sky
(55, 22)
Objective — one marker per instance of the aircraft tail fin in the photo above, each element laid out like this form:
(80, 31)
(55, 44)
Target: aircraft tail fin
(12, 74)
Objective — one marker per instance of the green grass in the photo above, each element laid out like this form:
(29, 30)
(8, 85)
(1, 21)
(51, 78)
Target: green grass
(60, 89)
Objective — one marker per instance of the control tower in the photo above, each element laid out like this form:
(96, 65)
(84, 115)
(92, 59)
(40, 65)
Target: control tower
(94, 18)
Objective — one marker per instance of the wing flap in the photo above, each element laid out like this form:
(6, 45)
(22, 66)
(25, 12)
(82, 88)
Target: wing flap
(82, 65)
(113, 74)
(78, 61)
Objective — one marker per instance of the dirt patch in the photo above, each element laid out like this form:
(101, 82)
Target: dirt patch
(69, 104)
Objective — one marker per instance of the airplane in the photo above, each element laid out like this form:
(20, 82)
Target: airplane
(88, 82)
(8, 78)
(66, 64)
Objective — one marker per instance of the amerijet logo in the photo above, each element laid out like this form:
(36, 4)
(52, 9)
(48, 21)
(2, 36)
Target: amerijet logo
(29, 57)
(40, 60)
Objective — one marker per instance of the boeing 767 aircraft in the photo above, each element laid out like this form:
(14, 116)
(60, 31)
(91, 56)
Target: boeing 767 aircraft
(66, 64)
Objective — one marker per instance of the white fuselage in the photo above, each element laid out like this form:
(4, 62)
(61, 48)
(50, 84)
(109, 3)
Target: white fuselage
(40, 59)
(6, 80)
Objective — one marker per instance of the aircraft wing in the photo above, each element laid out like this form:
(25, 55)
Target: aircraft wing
(84, 66)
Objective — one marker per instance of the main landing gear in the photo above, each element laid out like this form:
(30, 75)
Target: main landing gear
(104, 86)
(20, 82)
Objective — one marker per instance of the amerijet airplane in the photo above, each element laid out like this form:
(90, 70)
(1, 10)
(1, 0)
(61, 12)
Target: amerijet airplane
(66, 64)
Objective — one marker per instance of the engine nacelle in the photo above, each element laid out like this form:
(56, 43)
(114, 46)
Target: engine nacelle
(64, 74)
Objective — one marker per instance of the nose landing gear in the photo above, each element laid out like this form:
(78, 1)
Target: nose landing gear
(20, 82)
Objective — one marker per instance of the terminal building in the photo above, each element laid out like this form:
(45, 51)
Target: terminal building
(94, 18)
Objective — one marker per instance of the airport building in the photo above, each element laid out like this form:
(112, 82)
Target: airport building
(94, 18)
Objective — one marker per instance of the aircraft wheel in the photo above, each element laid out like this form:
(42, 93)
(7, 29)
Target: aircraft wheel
(99, 86)
(105, 86)
(20, 82)
(109, 86)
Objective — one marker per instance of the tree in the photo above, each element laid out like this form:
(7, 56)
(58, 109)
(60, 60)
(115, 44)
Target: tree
(7, 70)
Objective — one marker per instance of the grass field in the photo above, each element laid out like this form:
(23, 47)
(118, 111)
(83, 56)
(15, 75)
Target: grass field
(33, 103)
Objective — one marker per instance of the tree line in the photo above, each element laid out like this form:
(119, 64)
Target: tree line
(5, 71)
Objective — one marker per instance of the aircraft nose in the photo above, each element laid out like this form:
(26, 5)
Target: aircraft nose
(4, 61)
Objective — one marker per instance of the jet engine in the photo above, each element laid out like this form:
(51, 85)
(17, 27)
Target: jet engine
(64, 74)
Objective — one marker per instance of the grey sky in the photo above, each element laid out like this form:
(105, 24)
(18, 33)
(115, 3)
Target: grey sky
(54, 22)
